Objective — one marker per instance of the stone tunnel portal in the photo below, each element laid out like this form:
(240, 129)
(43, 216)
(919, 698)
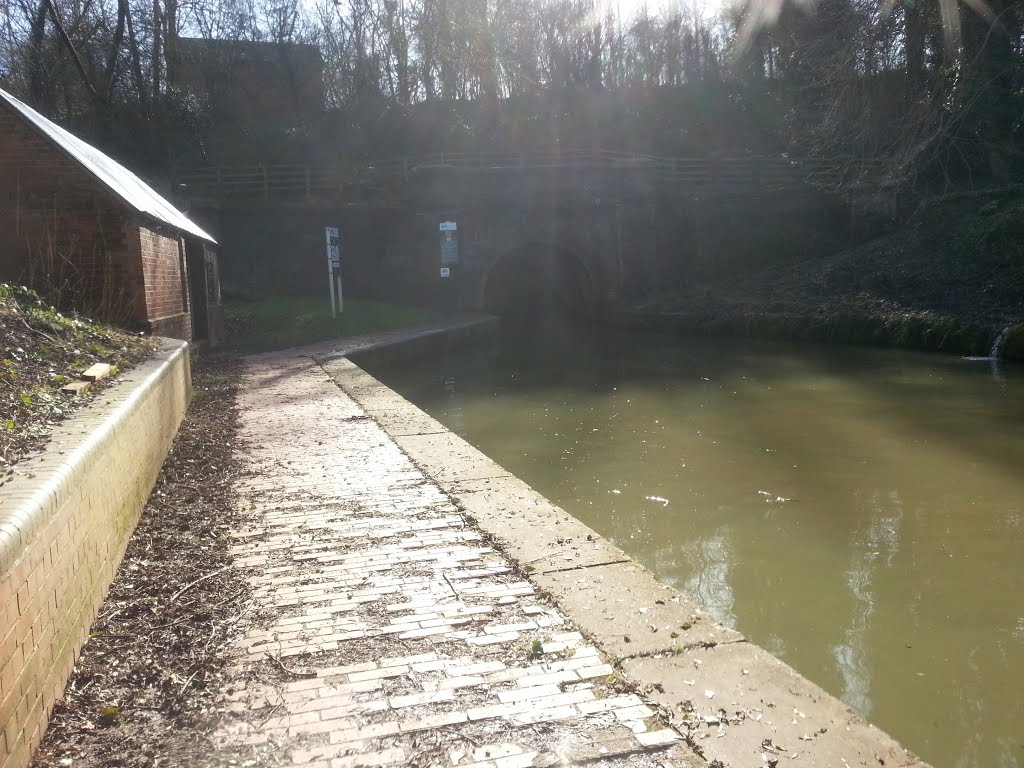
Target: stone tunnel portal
(540, 282)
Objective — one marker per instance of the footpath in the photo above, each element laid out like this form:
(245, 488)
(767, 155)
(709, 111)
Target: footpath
(387, 629)
(415, 604)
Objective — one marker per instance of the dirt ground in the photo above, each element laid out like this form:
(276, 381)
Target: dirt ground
(141, 691)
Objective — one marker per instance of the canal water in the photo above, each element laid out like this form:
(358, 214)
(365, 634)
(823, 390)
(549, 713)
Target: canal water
(859, 513)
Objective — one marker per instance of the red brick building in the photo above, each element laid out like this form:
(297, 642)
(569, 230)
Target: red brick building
(89, 231)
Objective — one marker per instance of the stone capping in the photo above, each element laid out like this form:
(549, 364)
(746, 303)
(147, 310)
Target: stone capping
(659, 639)
(402, 343)
(43, 482)
(66, 516)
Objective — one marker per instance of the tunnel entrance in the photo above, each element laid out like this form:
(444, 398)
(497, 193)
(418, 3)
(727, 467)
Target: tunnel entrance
(539, 283)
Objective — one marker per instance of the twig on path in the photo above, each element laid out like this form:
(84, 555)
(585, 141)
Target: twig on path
(268, 717)
(189, 681)
(289, 670)
(187, 587)
(450, 585)
(549, 554)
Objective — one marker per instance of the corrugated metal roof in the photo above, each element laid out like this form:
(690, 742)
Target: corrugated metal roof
(126, 185)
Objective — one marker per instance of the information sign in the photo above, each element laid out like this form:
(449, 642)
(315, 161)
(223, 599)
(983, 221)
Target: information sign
(449, 243)
(334, 269)
(333, 248)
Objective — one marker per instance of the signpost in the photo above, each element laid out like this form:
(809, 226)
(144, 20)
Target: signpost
(334, 270)
(449, 262)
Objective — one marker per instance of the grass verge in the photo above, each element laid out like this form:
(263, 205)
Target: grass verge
(279, 322)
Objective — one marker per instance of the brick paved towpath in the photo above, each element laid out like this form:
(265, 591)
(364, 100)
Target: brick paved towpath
(386, 628)
(416, 604)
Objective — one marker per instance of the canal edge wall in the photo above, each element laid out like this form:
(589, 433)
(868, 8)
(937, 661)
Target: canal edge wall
(65, 520)
(400, 345)
(732, 700)
(915, 333)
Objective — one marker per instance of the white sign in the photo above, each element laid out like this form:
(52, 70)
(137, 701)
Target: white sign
(334, 270)
(449, 243)
(445, 272)
(333, 248)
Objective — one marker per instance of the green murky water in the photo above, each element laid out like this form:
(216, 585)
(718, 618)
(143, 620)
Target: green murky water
(859, 513)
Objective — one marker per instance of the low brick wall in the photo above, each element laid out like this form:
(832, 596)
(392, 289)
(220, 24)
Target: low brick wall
(65, 520)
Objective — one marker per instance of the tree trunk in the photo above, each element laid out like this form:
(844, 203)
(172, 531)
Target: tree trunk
(37, 37)
(136, 59)
(110, 72)
(991, 47)
(915, 27)
(155, 60)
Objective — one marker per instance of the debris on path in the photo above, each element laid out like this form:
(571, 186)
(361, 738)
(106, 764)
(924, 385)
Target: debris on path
(141, 692)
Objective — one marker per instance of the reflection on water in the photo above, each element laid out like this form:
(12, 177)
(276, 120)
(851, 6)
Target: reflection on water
(860, 513)
(711, 559)
(872, 548)
(456, 421)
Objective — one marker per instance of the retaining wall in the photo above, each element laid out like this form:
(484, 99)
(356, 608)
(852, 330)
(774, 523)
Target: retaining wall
(65, 520)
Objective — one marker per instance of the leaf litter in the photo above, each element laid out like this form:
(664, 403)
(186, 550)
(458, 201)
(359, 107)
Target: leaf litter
(142, 691)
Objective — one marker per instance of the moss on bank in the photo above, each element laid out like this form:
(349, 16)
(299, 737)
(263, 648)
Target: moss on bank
(951, 280)
(40, 351)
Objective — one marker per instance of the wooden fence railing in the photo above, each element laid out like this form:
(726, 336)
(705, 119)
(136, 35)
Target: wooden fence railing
(309, 182)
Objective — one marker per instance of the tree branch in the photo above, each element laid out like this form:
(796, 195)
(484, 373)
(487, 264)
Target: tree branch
(71, 49)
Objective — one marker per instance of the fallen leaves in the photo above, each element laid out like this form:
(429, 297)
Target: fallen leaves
(143, 685)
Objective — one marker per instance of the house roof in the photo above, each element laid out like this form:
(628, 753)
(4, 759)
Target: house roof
(135, 193)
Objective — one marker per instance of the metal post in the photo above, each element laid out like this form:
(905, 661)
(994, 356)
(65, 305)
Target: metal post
(330, 282)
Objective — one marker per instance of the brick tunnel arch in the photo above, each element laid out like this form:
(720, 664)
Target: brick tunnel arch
(540, 280)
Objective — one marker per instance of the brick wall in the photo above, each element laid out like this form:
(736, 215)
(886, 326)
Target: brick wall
(64, 526)
(162, 255)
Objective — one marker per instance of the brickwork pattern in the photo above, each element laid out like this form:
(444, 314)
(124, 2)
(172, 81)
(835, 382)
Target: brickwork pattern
(65, 520)
(391, 632)
(166, 288)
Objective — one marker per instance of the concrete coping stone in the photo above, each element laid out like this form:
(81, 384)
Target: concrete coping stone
(41, 483)
(337, 349)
